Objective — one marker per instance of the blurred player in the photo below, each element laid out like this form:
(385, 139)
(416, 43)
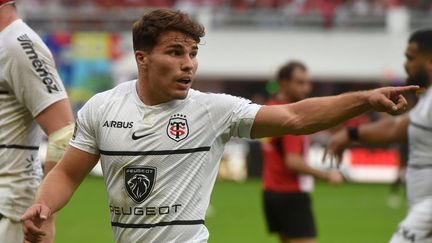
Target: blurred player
(160, 142)
(417, 127)
(31, 94)
(288, 179)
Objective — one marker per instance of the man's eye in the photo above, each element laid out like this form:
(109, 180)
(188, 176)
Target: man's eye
(174, 53)
(193, 55)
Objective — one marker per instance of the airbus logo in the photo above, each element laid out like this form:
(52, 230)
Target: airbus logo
(118, 124)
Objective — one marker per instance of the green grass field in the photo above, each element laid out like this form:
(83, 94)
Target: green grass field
(351, 213)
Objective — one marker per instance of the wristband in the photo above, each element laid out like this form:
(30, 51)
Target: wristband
(57, 143)
(353, 133)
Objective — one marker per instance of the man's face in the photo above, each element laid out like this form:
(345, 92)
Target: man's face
(416, 66)
(299, 87)
(170, 67)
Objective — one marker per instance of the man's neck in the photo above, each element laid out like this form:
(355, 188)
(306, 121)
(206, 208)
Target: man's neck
(147, 98)
(8, 14)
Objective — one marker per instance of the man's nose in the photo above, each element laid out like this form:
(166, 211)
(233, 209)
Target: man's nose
(187, 63)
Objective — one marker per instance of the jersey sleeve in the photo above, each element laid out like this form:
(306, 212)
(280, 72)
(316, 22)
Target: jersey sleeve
(293, 144)
(234, 115)
(31, 74)
(84, 137)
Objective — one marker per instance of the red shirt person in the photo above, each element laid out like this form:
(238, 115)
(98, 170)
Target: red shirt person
(288, 178)
(277, 177)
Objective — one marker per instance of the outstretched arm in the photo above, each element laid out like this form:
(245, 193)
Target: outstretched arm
(56, 190)
(315, 114)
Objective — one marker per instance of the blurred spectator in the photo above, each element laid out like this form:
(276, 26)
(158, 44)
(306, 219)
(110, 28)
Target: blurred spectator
(287, 176)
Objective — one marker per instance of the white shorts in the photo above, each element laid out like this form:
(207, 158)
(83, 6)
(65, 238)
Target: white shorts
(417, 225)
(10, 231)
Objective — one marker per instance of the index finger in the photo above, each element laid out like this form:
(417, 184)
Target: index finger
(39, 211)
(30, 213)
(407, 88)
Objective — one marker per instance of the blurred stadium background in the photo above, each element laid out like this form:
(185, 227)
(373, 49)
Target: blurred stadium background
(346, 44)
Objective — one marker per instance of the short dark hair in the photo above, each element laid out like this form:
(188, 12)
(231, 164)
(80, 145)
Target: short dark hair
(287, 70)
(147, 30)
(423, 38)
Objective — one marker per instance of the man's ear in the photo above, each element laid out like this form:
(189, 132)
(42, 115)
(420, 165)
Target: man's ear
(141, 58)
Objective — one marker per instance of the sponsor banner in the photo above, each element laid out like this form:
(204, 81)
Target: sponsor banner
(361, 164)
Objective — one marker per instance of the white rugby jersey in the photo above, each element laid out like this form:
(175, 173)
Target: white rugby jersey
(419, 172)
(160, 162)
(29, 83)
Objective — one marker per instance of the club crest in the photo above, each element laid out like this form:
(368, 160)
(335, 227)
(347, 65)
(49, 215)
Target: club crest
(178, 128)
(139, 182)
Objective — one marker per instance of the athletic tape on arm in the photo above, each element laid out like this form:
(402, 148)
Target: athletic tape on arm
(58, 141)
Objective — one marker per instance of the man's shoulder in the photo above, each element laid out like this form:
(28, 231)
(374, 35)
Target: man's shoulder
(16, 33)
(211, 97)
(18, 39)
(218, 102)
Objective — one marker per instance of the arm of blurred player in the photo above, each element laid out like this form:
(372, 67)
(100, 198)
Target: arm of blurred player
(315, 114)
(52, 119)
(382, 132)
(56, 190)
(296, 163)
